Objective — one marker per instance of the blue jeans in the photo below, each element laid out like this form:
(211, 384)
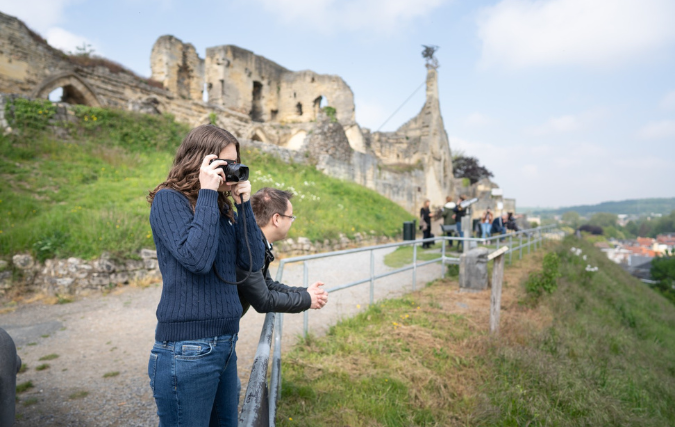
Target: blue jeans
(485, 227)
(194, 382)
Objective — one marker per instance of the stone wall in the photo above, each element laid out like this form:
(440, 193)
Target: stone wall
(75, 276)
(421, 141)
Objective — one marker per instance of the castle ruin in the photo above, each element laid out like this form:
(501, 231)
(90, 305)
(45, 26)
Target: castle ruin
(259, 101)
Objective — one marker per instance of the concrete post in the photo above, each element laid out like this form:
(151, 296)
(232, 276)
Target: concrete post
(466, 229)
(473, 273)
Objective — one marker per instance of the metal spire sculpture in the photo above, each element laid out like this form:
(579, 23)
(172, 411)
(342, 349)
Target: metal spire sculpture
(428, 54)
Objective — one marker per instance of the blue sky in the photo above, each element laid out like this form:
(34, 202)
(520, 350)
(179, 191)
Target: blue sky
(566, 101)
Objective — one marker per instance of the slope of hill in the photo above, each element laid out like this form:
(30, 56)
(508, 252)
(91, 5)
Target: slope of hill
(599, 350)
(78, 188)
(630, 207)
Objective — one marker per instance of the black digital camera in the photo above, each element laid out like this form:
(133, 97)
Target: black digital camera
(234, 172)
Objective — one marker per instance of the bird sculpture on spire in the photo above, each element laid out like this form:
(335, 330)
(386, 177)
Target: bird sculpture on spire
(428, 54)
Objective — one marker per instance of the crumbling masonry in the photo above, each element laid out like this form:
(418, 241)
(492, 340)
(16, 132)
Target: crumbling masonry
(254, 98)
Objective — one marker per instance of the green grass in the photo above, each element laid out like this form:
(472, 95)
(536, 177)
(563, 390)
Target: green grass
(42, 367)
(49, 357)
(598, 350)
(30, 401)
(20, 388)
(607, 358)
(111, 374)
(78, 395)
(85, 194)
(403, 255)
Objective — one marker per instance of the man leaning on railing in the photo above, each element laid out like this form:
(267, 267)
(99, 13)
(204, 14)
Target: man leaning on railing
(273, 212)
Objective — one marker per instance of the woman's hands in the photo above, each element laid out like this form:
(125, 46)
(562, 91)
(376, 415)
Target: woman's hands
(212, 177)
(240, 190)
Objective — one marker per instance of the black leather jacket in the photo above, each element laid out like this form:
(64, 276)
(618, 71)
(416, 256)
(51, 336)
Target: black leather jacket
(266, 295)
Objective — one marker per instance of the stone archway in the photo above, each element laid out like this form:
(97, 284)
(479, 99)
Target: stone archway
(75, 89)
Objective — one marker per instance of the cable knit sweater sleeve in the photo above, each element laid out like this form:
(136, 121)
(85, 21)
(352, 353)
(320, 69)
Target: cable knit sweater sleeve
(254, 239)
(192, 238)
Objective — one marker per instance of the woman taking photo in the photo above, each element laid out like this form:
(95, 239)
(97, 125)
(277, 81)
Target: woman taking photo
(200, 241)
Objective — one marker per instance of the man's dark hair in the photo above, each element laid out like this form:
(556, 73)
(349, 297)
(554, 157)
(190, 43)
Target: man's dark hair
(268, 201)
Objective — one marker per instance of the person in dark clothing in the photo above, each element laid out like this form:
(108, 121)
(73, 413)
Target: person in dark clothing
(274, 215)
(498, 225)
(10, 363)
(511, 222)
(425, 223)
(200, 241)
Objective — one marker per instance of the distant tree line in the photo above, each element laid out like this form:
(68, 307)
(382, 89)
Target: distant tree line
(605, 224)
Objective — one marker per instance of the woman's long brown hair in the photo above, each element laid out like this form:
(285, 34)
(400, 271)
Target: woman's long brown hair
(184, 174)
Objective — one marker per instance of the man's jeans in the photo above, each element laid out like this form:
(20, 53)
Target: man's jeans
(195, 382)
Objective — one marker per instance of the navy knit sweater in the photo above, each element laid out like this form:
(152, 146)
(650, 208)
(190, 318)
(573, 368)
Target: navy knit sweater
(195, 303)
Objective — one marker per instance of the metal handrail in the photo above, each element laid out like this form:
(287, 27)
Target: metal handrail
(259, 407)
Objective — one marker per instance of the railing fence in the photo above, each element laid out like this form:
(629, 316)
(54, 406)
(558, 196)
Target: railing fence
(260, 401)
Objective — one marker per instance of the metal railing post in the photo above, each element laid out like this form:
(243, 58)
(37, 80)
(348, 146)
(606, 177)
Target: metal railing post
(414, 266)
(305, 285)
(521, 245)
(443, 256)
(528, 243)
(372, 277)
(275, 380)
(510, 247)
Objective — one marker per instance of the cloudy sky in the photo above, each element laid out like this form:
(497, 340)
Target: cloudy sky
(566, 101)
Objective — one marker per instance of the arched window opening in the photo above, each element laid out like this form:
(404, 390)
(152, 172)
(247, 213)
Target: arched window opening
(205, 92)
(256, 103)
(298, 109)
(256, 137)
(319, 102)
(68, 94)
(56, 95)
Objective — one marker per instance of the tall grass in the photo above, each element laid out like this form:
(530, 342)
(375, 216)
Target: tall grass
(598, 350)
(83, 192)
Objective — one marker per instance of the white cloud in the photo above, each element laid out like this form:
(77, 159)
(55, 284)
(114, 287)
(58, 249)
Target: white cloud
(384, 16)
(658, 130)
(567, 123)
(67, 41)
(477, 120)
(519, 34)
(668, 100)
(40, 15)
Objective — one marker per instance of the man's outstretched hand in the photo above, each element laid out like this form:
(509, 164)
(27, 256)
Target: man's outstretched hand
(319, 296)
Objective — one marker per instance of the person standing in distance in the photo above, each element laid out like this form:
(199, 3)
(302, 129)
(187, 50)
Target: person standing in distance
(425, 223)
(274, 214)
(199, 240)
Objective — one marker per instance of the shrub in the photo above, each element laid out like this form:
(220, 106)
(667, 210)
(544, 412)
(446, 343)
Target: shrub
(48, 245)
(27, 114)
(546, 280)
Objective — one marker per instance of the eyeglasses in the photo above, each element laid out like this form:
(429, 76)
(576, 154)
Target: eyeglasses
(292, 217)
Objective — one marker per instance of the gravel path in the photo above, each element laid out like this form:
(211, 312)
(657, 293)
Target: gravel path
(101, 335)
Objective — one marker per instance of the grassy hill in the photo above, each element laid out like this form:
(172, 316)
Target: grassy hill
(78, 188)
(598, 350)
(630, 207)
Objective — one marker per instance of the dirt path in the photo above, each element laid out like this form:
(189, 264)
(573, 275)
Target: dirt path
(101, 335)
